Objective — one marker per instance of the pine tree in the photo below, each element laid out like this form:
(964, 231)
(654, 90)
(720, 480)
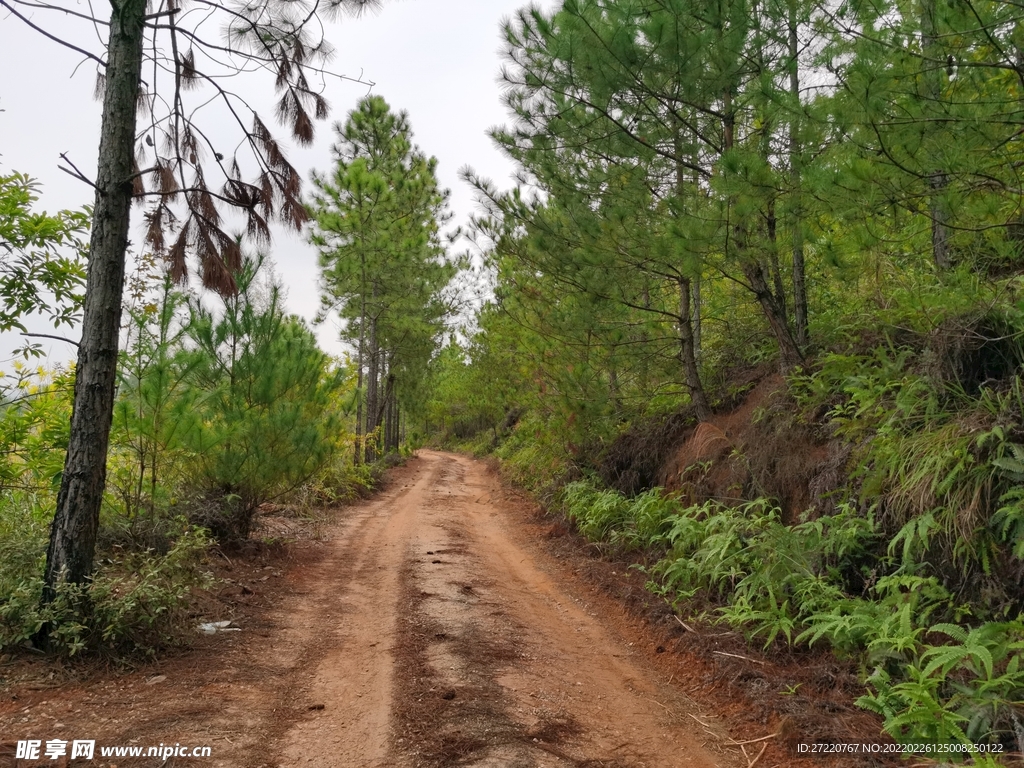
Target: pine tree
(267, 399)
(156, 407)
(377, 220)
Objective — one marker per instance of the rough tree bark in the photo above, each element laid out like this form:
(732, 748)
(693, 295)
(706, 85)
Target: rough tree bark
(69, 557)
(689, 341)
(789, 353)
(361, 355)
(372, 389)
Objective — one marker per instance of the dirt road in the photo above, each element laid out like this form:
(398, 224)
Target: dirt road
(455, 643)
(428, 630)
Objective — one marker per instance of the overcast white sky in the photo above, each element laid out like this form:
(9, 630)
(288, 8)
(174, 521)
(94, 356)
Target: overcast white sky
(437, 59)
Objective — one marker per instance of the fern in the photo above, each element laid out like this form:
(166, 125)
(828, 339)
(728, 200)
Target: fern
(1012, 466)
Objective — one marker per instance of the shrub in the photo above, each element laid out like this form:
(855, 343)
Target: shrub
(137, 602)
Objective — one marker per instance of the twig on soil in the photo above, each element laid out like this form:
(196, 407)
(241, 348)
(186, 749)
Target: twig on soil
(737, 656)
(755, 741)
(705, 726)
(752, 763)
(217, 550)
(684, 625)
(699, 720)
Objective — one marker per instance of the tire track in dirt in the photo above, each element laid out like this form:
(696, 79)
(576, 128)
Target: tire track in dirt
(353, 679)
(502, 667)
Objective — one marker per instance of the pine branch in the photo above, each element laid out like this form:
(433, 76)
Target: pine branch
(69, 12)
(77, 173)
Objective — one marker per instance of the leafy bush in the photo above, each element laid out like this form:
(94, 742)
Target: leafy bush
(140, 602)
(938, 465)
(35, 414)
(643, 521)
(137, 602)
(339, 482)
(534, 458)
(965, 691)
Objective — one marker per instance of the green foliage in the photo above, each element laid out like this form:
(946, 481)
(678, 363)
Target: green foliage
(35, 410)
(137, 603)
(966, 691)
(792, 584)
(475, 393)
(156, 410)
(936, 463)
(535, 458)
(339, 481)
(141, 602)
(41, 257)
(268, 409)
(596, 513)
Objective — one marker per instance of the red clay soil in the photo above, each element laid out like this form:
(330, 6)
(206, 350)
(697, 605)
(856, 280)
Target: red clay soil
(444, 623)
(758, 449)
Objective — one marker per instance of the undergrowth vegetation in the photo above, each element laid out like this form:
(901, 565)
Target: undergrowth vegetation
(916, 571)
(936, 670)
(219, 411)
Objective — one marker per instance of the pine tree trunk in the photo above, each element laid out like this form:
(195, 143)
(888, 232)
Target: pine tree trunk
(358, 459)
(372, 381)
(697, 323)
(69, 557)
(796, 183)
(361, 361)
(391, 426)
(695, 285)
(392, 422)
(937, 178)
(773, 261)
(388, 419)
(397, 437)
(686, 354)
(789, 353)
(613, 388)
(688, 340)
(383, 418)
